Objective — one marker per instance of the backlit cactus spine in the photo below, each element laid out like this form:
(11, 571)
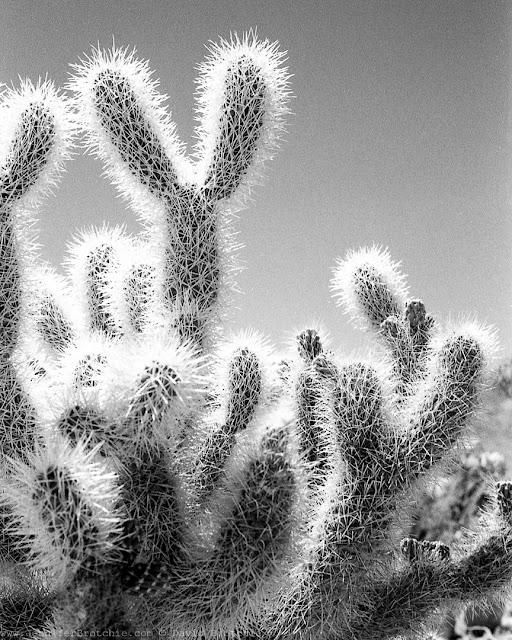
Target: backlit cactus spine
(174, 483)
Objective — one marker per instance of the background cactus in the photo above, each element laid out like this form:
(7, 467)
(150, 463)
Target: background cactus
(158, 477)
(461, 496)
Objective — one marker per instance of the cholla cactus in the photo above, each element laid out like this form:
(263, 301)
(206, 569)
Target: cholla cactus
(160, 479)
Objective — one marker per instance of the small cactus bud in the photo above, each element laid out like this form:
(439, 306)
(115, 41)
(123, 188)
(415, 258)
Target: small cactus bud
(244, 389)
(424, 550)
(310, 345)
(391, 327)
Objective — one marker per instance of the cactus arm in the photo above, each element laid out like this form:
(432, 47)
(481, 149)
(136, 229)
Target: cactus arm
(315, 411)
(242, 97)
(36, 129)
(242, 112)
(389, 436)
(382, 457)
(123, 118)
(53, 322)
(63, 503)
(126, 124)
(390, 439)
(449, 397)
(242, 385)
(371, 288)
(244, 541)
(408, 338)
(92, 265)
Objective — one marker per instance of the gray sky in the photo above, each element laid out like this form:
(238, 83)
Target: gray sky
(400, 137)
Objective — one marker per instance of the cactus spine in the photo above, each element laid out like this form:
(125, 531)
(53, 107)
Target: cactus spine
(158, 477)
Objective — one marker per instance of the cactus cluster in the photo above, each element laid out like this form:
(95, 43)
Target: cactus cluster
(161, 479)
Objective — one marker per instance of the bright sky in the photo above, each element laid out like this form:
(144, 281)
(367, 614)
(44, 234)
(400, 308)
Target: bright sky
(400, 137)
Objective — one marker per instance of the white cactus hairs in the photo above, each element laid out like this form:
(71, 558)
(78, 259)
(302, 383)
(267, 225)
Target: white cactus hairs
(212, 93)
(244, 341)
(136, 292)
(389, 287)
(13, 104)
(154, 383)
(151, 102)
(37, 130)
(91, 290)
(52, 318)
(446, 342)
(40, 490)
